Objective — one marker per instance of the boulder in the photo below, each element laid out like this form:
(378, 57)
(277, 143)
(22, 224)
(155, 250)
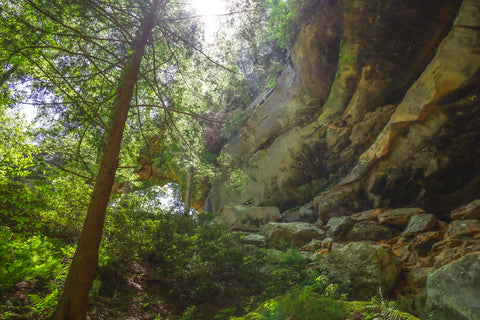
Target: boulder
(308, 213)
(458, 228)
(418, 276)
(312, 246)
(305, 213)
(468, 211)
(424, 242)
(338, 226)
(365, 268)
(248, 218)
(255, 239)
(454, 290)
(296, 233)
(368, 215)
(369, 230)
(419, 223)
(398, 218)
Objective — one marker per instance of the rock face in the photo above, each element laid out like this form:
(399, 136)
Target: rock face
(365, 268)
(459, 228)
(454, 289)
(420, 223)
(248, 218)
(398, 218)
(374, 125)
(380, 105)
(369, 230)
(468, 211)
(296, 233)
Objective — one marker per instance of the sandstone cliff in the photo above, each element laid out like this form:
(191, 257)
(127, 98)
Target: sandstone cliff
(380, 107)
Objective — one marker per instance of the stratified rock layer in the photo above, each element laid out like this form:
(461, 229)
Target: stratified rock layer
(380, 105)
(379, 109)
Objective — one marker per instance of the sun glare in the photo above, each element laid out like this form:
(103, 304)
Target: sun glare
(209, 7)
(211, 12)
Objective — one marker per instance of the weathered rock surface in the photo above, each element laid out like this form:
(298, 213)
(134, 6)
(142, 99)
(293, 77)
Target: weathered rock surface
(424, 246)
(296, 233)
(312, 246)
(338, 226)
(460, 228)
(419, 223)
(365, 268)
(424, 242)
(398, 218)
(381, 108)
(304, 213)
(255, 239)
(419, 157)
(454, 289)
(468, 211)
(369, 231)
(248, 218)
(369, 215)
(381, 102)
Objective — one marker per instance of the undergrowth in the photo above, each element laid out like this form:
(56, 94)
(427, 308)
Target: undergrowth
(34, 259)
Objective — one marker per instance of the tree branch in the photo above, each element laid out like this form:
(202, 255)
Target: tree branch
(72, 172)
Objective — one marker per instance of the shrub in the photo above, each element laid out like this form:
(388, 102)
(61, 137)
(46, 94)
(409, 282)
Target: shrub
(30, 258)
(306, 304)
(33, 259)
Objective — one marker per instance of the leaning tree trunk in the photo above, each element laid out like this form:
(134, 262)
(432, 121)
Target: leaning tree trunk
(73, 304)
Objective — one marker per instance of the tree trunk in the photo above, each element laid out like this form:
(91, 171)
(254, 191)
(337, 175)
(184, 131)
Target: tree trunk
(188, 195)
(73, 304)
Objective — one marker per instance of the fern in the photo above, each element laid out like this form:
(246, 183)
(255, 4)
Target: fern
(44, 305)
(379, 308)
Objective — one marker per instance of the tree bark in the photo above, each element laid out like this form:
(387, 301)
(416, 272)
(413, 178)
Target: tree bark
(188, 195)
(73, 304)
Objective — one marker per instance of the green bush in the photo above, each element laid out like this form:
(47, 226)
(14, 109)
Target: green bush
(33, 259)
(287, 18)
(54, 207)
(284, 271)
(215, 272)
(29, 258)
(306, 304)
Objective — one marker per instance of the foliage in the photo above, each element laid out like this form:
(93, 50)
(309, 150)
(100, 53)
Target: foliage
(323, 300)
(45, 305)
(29, 258)
(206, 266)
(379, 308)
(284, 271)
(33, 259)
(309, 303)
(287, 18)
(16, 150)
(53, 206)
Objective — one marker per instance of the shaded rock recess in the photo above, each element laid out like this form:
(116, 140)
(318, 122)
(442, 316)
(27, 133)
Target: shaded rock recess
(370, 142)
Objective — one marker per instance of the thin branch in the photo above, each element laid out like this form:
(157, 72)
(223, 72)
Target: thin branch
(73, 53)
(147, 144)
(96, 115)
(80, 34)
(82, 136)
(185, 41)
(72, 172)
(204, 15)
